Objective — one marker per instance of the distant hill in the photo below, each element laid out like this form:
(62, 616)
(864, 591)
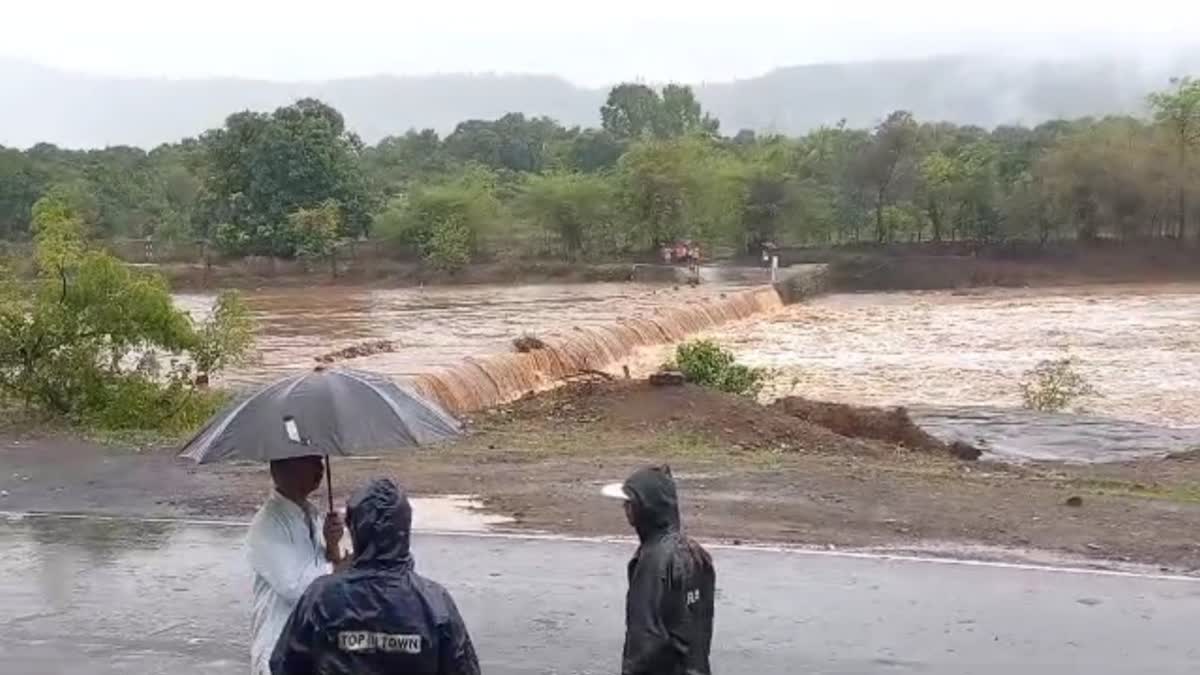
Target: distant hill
(77, 110)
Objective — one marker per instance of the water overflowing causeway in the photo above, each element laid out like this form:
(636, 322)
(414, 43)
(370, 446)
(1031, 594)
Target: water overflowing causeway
(955, 358)
(456, 343)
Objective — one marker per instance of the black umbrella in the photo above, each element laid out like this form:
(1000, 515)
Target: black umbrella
(321, 412)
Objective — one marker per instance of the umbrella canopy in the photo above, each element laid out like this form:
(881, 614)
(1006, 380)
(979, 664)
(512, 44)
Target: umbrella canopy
(321, 412)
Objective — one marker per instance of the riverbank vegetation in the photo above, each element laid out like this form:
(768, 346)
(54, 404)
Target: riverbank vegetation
(298, 183)
(708, 364)
(1054, 385)
(84, 340)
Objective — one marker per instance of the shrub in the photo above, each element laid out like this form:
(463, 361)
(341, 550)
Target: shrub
(448, 247)
(69, 342)
(441, 222)
(1053, 385)
(225, 338)
(706, 363)
(574, 207)
(134, 401)
(315, 231)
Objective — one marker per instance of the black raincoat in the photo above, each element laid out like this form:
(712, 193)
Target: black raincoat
(378, 617)
(669, 608)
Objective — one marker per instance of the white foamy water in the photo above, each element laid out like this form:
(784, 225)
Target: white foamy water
(957, 360)
(1138, 345)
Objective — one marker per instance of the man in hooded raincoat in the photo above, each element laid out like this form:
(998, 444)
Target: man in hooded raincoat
(669, 607)
(378, 616)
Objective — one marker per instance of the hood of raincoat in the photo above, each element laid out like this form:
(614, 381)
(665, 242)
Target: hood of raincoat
(380, 521)
(379, 616)
(655, 507)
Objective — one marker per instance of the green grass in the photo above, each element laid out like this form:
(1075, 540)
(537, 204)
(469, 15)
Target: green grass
(1184, 493)
(17, 419)
(532, 439)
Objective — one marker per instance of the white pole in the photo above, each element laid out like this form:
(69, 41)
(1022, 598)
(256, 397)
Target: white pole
(774, 268)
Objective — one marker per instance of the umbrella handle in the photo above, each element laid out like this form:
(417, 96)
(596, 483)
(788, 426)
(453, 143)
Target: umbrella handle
(329, 481)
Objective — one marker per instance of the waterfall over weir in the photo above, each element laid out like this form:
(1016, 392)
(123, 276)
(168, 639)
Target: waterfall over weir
(482, 382)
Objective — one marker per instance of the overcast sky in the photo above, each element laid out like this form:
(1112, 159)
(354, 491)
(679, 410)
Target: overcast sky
(587, 42)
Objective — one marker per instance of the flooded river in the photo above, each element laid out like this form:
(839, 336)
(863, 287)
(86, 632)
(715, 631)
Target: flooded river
(958, 358)
(431, 327)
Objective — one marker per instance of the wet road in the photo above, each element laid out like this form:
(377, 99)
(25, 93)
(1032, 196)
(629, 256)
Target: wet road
(114, 597)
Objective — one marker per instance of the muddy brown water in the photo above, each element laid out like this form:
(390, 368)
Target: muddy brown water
(957, 358)
(431, 327)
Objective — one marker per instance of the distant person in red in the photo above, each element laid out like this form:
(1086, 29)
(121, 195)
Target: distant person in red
(669, 606)
(682, 252)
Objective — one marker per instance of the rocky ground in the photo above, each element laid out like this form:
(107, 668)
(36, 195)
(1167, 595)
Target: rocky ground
(747, 473)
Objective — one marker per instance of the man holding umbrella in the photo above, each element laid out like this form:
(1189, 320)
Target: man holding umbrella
(294, 423)
(290, 544)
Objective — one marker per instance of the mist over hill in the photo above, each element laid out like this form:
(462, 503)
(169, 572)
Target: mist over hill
(78, 110)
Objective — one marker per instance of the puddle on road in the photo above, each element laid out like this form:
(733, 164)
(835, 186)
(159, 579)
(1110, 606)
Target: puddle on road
(456, 513)
(441, 513)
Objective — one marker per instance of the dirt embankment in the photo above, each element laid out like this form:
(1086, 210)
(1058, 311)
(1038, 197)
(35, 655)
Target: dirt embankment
(746, 472)
(889, 425)
(817, 473)
(791, 424)
(638, 408)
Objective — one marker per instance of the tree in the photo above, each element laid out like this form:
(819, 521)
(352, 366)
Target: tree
(315, 232)
(264, 167)
(397, 162)
(1027, 210)
(1179, 111)
(885, 165)
(631, 111)
(684, 187)
(442, 222)
(745, 137)
(766, 203)
(769, 191)
(941, 176)
(635, 111)
(1107, 178)
(224, 340)
(826, 166)
(592, 150)
(681, 114)
(575, 207)
(656, 187)
(66, 346)
(512, 142)
(21, 183)
(957, 189)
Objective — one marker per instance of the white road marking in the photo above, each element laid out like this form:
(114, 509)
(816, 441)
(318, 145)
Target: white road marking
(17, 516)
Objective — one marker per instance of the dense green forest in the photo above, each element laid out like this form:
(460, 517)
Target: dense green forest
(296, 182)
